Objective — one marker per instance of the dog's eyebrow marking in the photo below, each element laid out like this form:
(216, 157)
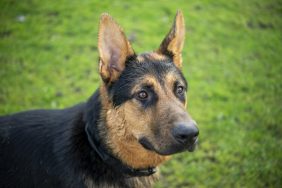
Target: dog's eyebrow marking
(171, 78)
(159, 79)
(153, 56)
(148, 80)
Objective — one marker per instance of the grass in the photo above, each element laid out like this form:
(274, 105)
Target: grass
(232, 60)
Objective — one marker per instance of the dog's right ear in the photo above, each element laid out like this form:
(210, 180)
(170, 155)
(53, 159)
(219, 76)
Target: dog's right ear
(114, 49)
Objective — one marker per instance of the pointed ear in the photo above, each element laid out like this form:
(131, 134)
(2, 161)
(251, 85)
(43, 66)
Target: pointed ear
(173, 43)
(114, 49)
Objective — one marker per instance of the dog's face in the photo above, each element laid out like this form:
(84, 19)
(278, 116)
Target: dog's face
(144, 97)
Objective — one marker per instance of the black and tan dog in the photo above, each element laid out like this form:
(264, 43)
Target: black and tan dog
(118, 138)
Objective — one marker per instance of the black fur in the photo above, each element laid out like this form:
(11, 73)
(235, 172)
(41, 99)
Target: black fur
(49, 148)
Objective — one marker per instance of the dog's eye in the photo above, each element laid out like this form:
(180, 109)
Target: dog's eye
(142, 95)
(179, 90)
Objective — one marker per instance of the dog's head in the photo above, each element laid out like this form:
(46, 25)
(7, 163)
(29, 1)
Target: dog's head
(144, 96)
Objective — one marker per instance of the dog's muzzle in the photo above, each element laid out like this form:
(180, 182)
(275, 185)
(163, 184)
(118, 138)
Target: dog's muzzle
(184, 137)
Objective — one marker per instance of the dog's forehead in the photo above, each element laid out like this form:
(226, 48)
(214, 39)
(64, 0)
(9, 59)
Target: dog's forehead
(152, 56)
(155, 69)
(138, 74)
(158, 83)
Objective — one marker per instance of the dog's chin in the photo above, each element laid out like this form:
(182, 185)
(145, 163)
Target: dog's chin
(172, 149)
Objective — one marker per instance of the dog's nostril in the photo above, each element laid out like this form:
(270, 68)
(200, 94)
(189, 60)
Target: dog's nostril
(185, 133)
(181, 137)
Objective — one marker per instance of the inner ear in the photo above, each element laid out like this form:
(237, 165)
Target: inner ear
(172, 44)
(114, 49)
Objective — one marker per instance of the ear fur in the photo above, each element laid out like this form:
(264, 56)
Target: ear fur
(172, 44)
(114, 49)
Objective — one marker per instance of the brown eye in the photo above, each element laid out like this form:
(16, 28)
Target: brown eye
(142, 95)
(180, 90)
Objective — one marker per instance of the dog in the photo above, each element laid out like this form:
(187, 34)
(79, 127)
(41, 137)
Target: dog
(134, 122)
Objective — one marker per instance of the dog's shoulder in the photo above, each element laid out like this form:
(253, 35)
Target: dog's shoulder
(40, 117)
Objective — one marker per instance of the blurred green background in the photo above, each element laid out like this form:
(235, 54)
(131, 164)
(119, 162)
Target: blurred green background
(232, 60)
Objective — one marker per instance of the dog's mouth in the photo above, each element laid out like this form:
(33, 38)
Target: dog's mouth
(146, 144)
(171, 149)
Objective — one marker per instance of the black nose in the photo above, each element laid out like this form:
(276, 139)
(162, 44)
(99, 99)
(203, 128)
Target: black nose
(185, 132)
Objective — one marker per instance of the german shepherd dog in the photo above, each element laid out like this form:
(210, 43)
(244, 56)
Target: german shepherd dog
(133, 122)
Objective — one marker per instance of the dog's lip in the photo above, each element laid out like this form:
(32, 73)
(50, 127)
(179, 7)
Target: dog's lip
(147, 145)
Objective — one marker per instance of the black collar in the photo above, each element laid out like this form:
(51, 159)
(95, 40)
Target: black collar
(112, 161)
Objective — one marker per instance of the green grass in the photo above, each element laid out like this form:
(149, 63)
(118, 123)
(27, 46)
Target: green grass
(232, 60)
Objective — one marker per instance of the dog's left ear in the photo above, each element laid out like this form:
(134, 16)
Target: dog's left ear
(173, 43)
(114, 49)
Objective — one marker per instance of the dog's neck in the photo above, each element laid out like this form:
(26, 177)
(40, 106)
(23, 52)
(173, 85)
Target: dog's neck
(93, 136)
(95, 143)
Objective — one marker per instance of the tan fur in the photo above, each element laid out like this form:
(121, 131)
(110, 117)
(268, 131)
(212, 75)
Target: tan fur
(148, 80)
(154, 56)
(113, 47)
(168, 109)
(170, 80)
(174, 41)
(123, 129)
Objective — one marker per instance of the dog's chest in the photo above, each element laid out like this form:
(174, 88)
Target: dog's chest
(135, 182)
